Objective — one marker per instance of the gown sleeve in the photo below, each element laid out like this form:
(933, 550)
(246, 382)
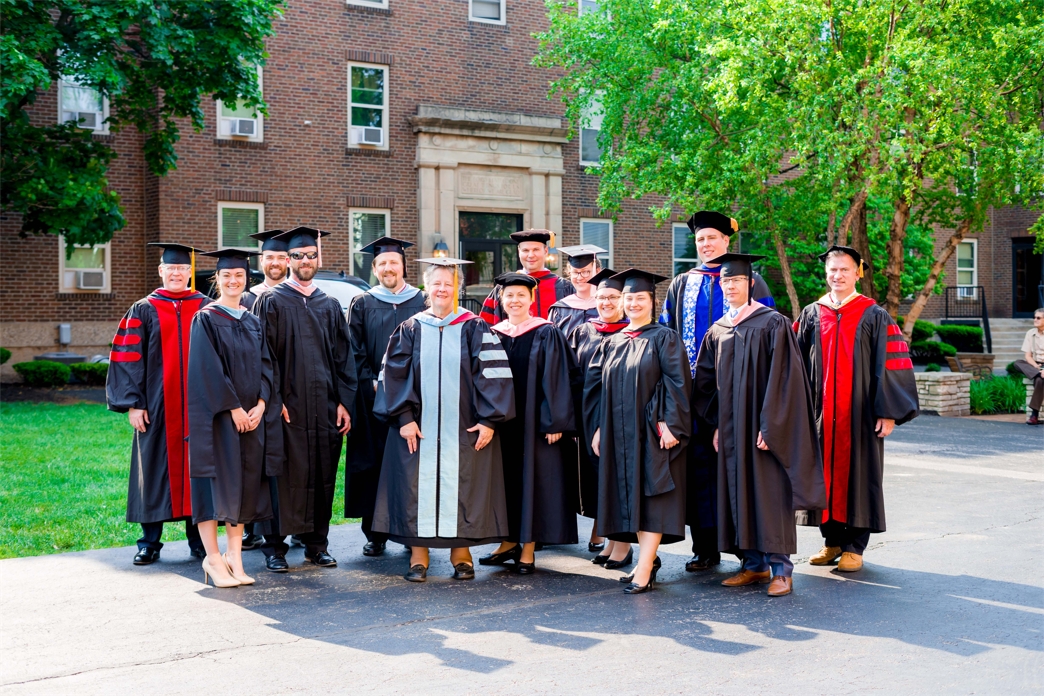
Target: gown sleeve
(494, 385)
(344, 361)
(556, 411)
(491, 307)
(705, 382)
(275, 455)
(895, 393)
(761, 292)
(592, 402)
(210, 395)
(676, 378)
(397, 401)
(128, 361)
(357, 337)
(670, 302)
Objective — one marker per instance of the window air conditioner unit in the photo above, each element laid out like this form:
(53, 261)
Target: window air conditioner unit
(242, 126)
(90, 280)
(367, 135)
(90, 120)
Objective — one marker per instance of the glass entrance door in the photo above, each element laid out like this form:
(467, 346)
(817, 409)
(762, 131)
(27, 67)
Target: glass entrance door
(1027, 280)
(485, 240)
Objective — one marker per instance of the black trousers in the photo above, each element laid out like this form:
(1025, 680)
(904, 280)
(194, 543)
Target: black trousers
(1033, 373)
(849, 539)
(151, 532)
(367, 529)
(314, 541)
(704, 540)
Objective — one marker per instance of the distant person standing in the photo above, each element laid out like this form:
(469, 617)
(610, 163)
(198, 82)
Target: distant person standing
(573, 310)
(147, 380)
(532, 254)
(1032, 365)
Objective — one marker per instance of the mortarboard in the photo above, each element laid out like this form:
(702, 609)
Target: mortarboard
(269, 242)
(604, 278)
(386, 244)
(509, 279)
(179, 254)
(636, 280)
(582, 255)
(860, 264)
(301, 237)
(708, 218)
(546, 237)
(733, 265)
(232, 258)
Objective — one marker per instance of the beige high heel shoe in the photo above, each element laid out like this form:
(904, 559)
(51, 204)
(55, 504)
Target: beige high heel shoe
(243, 579)
(208, 574)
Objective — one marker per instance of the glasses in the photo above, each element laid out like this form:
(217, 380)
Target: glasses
(178, 267)
(607, 298)
(298, 255)
(734, 280)
(582, 274)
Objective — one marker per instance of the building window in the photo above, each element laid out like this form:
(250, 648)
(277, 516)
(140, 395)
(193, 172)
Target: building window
(586, 6)
(490, 11)
(685, 256)
(368, 225)
(368, 106)
(237, 121)
(383, 4)
(590, 127)
(83, 105)
(599, 233)
(967, 270)
(236, 222)
(88, 269)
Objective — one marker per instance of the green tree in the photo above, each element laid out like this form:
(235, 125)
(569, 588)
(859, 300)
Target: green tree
(155, 61)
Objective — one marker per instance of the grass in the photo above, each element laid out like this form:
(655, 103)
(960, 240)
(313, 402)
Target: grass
(63, 480)
(1004, 394)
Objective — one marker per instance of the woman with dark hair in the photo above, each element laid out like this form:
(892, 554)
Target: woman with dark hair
(636, 407)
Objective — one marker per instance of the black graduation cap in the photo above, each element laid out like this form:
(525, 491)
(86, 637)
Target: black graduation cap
(845, 250)
(232, 258)
(635, 280)
(604, 279)
(582, 255)
(733, 264)
(386, 244)
(176, 253)
(543, 236)
(269, 242)
(301, 237)
(509, 279)
(708, 218)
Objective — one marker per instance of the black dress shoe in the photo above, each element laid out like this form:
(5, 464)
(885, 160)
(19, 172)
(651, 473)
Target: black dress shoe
(613, 565)
(634, 588)
(252, 541)
(199, 553)
(277, 564)
(702, 562)
(655, 569)
(322, 559)
(463, 571)
(525, 568)
(373, 548)
(146, 556)
(600, 560)
(417, 573)
(512, 554)
(592, 547)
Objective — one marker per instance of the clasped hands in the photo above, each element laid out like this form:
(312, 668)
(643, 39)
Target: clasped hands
(246, 421)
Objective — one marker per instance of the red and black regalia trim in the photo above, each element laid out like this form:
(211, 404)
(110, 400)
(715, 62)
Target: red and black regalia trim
(550, 289)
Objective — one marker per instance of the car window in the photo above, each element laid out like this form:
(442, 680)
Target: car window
(339, 289)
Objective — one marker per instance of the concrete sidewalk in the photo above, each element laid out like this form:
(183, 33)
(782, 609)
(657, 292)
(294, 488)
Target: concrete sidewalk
(951, 600)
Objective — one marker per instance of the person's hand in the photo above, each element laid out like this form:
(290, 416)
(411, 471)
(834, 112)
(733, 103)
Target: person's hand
(761, 442)
(256, 414)
(667, 439)
(485, 435)
(596, 442)
(715, 439)
(286, 414)
(241, 419)
(884, 427)
(374, 386)
(344, 421)
(552, 438)
(138, 418)
(411, 433)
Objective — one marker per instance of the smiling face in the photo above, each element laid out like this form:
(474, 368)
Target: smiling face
(440, 290)
(842, 272)
(304, 268)
(274, 264)
(532, 255)
(516, 300)
(175, 276)
(231, 282)
(736, 289)
(389, 269)
(638, 306)
(610, 305)
(711, 243)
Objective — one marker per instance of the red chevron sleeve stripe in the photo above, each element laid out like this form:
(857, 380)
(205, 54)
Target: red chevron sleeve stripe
(126, 340)
(124, 356)
(894, 330)
(898, 347)
(131, 323)
(899, 364)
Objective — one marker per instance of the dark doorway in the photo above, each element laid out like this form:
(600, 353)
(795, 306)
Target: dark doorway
(485, 240)
(1027, 279)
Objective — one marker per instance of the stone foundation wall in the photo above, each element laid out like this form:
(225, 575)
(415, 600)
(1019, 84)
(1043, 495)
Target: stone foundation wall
(27, 339)
(944, 393)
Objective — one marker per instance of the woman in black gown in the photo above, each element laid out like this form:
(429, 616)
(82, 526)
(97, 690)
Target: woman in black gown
(636, 405)
(230, 380)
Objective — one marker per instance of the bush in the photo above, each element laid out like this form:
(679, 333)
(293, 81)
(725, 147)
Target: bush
(5, 355)
(925, 352)
(933, 367)
(90, 373)
(966, 339)
(998, 395)
(43, 373)
(922, 331)
(1013, 371)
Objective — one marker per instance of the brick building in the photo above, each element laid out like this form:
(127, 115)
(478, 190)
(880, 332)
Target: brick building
(423, 120)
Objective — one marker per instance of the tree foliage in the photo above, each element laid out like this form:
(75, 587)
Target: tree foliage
(155, 61)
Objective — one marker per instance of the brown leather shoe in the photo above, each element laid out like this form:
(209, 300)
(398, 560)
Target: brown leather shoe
(850, 562)
(747, 577)
(781, 586)
(1033, 420)
(825, 555)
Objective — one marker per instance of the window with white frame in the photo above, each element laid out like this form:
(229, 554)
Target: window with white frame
(237, 121)
(967, 269)
(83, 105)
(368, 105)
(490, 11)
(586, 6)
(368, 225)
(590, 127)
(599, 233)
(383, 4)
(236, 222)
(685, 256)
(86, 269)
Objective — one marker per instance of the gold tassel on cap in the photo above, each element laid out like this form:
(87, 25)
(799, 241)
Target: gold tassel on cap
(192, 271)
(862, 264)
(456, 288)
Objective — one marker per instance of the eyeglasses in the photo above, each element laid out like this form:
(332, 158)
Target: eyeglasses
(607, 298)
(734, 280)
(582, 274)
(298, 255)
(177, 267)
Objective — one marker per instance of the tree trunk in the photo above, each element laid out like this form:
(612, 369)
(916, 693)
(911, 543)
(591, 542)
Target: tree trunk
(831, 235)
(788, 278)
(933, 276)
(894, 265)
(861, 243)
(856, 208)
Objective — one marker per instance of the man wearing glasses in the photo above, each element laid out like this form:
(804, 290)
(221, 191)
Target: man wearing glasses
(576, 309)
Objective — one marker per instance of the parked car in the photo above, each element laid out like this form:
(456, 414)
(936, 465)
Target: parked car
(336, 284)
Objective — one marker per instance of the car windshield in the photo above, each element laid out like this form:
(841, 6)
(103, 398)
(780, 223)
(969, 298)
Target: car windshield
(342, 291)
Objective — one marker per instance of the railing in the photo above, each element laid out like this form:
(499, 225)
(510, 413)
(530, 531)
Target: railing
(969, 302)
(471, 304)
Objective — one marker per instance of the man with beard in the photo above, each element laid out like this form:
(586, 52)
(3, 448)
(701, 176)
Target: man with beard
(532, 254)
(372, 316)
(273, 264)
(314, 380)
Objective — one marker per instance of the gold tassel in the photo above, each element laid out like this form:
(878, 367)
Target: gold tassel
(456, 288)
(192, 271)
(861, 264)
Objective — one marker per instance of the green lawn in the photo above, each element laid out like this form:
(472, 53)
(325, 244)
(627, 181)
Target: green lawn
(63, 480)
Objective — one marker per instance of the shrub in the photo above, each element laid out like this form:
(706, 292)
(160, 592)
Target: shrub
(998, 395)
(933, 367)
(925, 352)
(43, 373)
(90, 373)
(966, 339)
(922, 331)
(1012, 370)
(5, 355)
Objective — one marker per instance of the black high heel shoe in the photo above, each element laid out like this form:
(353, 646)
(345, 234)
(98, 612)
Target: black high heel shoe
(512, 554)
(600, 560)
(640, 589)
(628, 560)
(656, 567)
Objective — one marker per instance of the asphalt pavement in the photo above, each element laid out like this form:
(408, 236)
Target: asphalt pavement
(950, 601)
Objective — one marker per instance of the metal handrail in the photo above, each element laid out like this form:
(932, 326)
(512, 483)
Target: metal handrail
(973, 307)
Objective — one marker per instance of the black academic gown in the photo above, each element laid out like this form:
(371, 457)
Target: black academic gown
(637, 379)
(864, 375)
(749, 378)
(248, 298)
(229, 367)
(148, 369)
(567, 318)
(540, 479)
(313, 370)
(446, 375)
(550, 289)
(371, 321)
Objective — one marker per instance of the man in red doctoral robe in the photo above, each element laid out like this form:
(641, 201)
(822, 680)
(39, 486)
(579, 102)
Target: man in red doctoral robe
(863, 386)
(532, 254)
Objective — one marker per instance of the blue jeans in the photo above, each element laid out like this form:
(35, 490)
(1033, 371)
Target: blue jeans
(759, 562)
